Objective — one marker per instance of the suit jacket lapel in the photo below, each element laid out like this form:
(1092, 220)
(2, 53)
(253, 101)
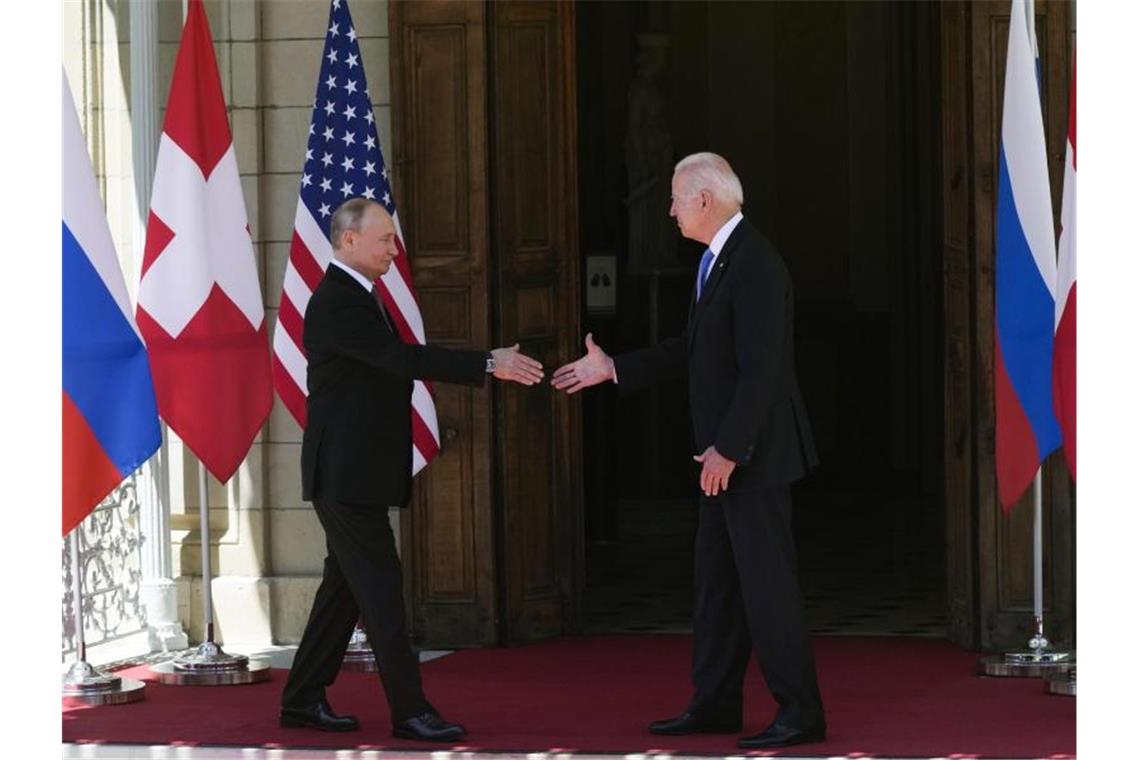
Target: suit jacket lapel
(358, 292)
(719, 267)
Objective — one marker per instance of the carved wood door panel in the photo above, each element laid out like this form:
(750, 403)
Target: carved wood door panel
(484, 129)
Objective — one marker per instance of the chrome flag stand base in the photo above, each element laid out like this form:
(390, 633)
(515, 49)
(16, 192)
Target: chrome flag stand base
(1038, 662)
(83, 685)
(210, 666)
(358, 657)
(1062, 682)
(1026, 664)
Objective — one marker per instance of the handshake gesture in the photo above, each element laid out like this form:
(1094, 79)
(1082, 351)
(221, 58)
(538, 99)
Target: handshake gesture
(593, 368)
(515, 366)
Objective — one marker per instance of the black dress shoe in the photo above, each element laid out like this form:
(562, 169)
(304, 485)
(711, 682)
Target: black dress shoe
(318, 715)
(779, 735)
(688, 723)
(429, 727)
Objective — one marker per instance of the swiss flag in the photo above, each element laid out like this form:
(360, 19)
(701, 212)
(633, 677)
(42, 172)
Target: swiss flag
(199, 299)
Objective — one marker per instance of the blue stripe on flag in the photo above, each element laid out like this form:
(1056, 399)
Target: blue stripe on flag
(1025, 309)
(105, 369)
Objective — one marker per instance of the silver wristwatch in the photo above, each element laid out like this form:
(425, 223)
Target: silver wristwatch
(490, 362)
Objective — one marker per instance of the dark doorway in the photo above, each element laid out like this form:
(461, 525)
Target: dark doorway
(828, 113)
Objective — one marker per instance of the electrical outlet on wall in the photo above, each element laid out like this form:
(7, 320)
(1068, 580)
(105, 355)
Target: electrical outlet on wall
(601, 284)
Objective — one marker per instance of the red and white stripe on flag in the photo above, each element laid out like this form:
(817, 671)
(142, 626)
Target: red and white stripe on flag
(343, 160)
(1065, 339)
(199, 300)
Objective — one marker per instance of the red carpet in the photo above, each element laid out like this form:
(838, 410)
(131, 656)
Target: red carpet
(897, 697)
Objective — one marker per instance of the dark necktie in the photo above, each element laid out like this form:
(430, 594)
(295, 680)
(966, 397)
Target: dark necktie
(383, 310)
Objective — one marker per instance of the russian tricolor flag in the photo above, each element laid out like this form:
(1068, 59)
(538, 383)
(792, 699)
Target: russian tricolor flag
(110, 421)
(1026, 273)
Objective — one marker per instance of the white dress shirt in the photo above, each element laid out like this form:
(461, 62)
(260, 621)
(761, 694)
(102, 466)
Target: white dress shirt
(364, 283)
(721, 237)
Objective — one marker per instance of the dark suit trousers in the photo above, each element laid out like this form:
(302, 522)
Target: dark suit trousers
(748, 598)
(361, 578)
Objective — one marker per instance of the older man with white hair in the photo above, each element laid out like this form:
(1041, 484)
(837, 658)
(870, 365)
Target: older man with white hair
(753, 439)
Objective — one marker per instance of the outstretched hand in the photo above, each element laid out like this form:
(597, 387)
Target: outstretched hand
(515, 366)
(593, 368)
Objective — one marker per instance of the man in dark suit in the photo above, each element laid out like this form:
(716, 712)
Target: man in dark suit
(752, 431)
(356, 461)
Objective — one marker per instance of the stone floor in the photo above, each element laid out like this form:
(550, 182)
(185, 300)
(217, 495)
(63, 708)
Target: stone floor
(868, 566)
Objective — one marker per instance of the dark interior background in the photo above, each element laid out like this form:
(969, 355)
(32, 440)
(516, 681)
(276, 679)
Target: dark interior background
(828, 113)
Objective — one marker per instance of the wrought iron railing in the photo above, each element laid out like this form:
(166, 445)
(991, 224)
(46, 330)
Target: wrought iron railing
(110, 564)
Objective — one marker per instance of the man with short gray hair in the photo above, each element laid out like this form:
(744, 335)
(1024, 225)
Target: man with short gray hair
(356, 461)
(751, 427)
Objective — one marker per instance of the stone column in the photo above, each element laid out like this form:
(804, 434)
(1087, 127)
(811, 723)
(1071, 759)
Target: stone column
(158, 591)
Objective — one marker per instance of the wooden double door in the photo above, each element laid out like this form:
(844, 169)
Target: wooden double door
(484, 128)
(485, 134)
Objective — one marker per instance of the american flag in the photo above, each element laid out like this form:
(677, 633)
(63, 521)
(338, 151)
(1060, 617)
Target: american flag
(343, 160)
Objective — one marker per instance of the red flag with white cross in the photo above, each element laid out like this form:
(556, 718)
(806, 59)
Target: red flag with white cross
(199, 300)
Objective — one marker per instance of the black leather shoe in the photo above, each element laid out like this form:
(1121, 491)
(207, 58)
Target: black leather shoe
(688, 723)
(429, 727)
(318, 715)
(779, 735)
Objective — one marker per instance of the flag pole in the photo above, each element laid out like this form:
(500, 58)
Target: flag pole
(207, 570)
(83, 684)
(1061, 678)
(1038, 643)
(209, 665)
(1039, 660)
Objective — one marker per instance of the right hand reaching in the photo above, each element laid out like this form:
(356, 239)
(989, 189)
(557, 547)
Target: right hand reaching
(512, 365)
(593, 368)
